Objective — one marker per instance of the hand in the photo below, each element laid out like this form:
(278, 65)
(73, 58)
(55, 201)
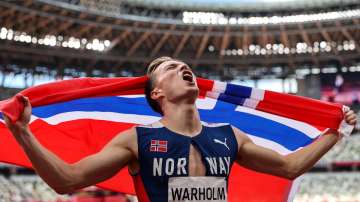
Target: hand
(348, 123)
(23, 122)
(350, 117)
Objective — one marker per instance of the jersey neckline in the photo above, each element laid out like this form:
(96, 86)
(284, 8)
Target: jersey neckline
(184, 135)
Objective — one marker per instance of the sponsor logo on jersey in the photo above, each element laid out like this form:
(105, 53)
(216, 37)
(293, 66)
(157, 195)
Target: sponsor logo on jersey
(223, 143)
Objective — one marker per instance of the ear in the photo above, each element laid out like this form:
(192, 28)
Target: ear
(156, 93)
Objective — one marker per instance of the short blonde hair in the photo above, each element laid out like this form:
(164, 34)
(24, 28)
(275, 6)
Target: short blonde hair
(156, 63)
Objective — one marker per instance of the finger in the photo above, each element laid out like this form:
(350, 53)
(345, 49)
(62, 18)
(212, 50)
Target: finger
(25, 100)
(352, 122)
(351, 119)
(349, 112)
(7, 119)
(350, 116)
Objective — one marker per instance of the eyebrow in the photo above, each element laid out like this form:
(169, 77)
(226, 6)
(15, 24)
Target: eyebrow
(178, 63)
(172, 64)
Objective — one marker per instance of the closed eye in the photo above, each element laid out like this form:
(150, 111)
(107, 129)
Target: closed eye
(170, 67)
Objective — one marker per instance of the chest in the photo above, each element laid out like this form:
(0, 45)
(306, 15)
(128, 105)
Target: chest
(174, 155)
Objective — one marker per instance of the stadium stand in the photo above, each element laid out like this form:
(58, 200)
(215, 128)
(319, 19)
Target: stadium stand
(30, 188)
(27, 188)
(329, 187)
(346, 151)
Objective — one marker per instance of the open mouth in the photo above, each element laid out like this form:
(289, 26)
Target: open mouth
(188, 76)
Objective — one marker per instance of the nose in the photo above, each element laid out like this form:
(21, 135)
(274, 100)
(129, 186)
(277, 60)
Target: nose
(184, 67)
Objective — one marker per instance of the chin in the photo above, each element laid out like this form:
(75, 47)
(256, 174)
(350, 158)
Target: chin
(193, 93)
(190, 95)
(192, 89)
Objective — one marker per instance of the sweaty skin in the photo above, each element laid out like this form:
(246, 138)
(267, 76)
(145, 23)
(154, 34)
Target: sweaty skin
(177, 98)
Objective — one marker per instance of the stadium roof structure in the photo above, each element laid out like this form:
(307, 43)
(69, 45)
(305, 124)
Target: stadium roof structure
(100, 37)
(240, 5)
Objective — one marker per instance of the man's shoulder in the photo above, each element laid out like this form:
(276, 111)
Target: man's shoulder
(129, 133)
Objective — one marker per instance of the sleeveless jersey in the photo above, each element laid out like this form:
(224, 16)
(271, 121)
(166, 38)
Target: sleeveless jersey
(164, 154)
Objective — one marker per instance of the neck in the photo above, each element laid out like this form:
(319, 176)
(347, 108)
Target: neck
(182, 118)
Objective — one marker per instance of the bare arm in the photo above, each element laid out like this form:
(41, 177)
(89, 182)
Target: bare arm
(290, 166)
(62, 176)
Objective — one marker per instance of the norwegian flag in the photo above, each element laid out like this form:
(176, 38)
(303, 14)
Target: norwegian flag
(158, 146)
(76, 118)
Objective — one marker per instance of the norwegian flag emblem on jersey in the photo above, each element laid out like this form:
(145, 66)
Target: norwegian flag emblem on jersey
(158, 146)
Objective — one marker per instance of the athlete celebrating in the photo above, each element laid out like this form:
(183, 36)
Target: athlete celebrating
(178, 158)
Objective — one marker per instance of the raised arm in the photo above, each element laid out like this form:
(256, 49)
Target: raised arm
(64, 177)
(290, 166)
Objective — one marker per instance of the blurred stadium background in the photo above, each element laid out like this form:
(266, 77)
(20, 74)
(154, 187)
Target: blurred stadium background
(309, 48)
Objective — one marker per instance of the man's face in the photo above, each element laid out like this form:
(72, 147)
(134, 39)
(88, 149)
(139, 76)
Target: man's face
(176, 80)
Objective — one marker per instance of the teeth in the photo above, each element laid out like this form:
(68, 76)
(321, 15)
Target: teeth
(187, 77)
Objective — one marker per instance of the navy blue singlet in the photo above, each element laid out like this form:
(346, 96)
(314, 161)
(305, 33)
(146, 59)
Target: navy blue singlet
(164, 154)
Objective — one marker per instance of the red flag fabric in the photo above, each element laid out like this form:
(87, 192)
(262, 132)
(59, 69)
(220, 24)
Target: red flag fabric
(76, 118)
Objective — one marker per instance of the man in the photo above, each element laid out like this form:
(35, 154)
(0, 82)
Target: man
(178, 158)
